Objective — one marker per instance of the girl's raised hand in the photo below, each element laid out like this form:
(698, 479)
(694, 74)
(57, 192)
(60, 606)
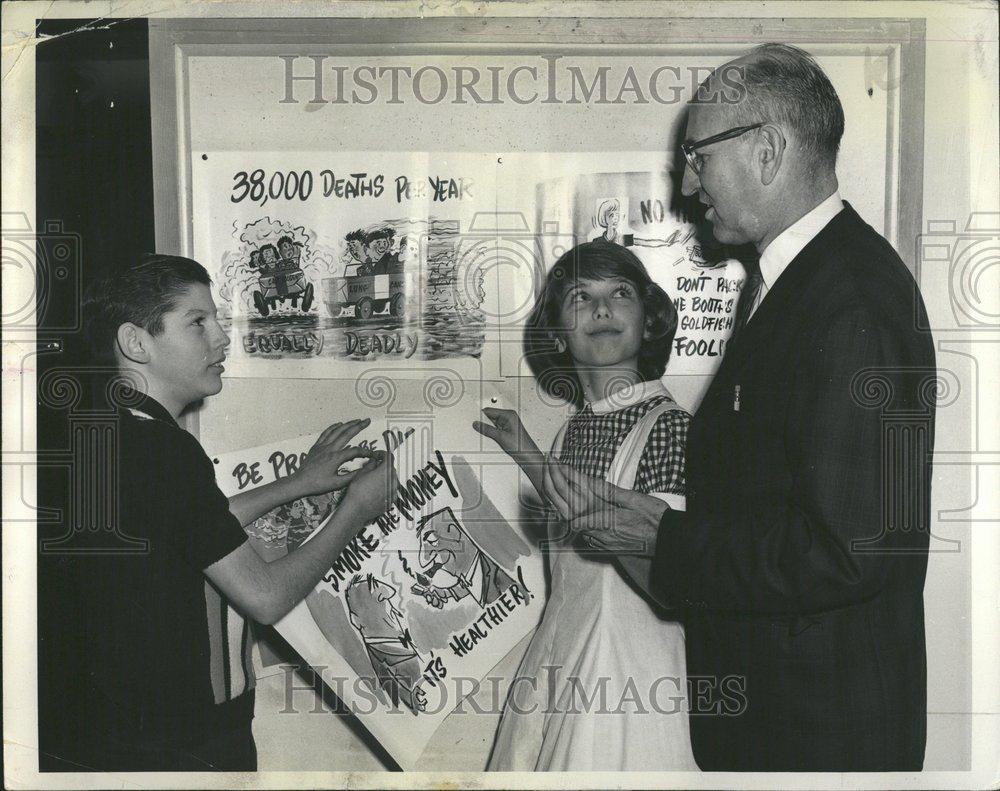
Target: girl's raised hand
(507, 431)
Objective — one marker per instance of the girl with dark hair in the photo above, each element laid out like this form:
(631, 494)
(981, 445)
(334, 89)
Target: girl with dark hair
(606, 684)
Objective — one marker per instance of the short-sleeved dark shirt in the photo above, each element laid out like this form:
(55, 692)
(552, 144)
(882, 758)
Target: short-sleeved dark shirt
(167, 658)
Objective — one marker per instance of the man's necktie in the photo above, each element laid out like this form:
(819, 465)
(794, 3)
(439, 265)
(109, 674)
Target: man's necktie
(748, 300)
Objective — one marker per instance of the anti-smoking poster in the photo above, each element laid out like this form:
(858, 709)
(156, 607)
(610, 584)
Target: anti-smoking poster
(326, 262)
(431, 596)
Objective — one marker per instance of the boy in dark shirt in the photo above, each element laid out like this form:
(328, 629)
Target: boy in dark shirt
(167, 668)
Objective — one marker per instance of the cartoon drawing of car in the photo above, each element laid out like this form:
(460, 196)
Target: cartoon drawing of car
(369, 294)
(280, 280)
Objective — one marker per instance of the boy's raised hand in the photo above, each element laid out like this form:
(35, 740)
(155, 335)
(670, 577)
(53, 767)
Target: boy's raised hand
(507, 431)
(320, 472)
(373, 488)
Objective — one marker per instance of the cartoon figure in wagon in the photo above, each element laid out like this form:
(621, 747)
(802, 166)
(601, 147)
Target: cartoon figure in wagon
(374, 280)
(281, 278)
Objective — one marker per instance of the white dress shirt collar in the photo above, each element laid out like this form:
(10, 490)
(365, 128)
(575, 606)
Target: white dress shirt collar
(790, 242)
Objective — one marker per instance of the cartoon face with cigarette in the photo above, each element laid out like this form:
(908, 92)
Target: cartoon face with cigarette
(452, 566)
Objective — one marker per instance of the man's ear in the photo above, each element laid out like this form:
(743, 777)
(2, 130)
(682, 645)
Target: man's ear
(131, 341)
(770, 151)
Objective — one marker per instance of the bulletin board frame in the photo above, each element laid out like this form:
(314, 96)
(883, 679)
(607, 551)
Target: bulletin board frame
(896, 45)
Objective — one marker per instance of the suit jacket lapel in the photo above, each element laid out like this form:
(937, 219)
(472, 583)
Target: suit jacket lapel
(753, 339)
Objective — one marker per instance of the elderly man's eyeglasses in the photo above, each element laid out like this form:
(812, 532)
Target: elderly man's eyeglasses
(694, 159)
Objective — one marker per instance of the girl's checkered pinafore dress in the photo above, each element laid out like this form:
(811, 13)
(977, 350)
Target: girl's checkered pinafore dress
(601, 646)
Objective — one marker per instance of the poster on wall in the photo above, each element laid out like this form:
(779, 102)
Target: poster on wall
(323, 264)
(641, 210)
(421, 603)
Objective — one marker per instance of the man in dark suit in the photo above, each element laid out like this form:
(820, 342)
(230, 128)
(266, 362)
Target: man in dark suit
(799, 564)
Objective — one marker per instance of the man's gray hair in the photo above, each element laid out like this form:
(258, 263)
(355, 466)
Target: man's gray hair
(784, 85)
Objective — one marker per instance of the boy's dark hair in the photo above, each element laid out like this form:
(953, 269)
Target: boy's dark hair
(285, 240)
(596, 260)
(141, 295)
(355, 236)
